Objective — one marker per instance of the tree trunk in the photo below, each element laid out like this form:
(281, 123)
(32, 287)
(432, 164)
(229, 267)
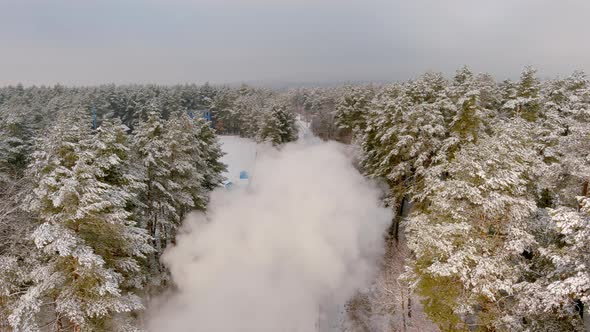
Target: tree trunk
(584, 193)
(403, 310)
(409, 304)
(59, 327)
(397, 218)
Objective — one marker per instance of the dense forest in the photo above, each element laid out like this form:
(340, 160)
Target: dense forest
(488, 181)
(94, 185)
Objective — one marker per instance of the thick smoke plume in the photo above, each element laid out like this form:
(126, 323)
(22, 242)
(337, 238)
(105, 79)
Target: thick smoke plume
(306, 233)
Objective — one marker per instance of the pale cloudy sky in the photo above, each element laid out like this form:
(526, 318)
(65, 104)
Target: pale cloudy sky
(230, 41)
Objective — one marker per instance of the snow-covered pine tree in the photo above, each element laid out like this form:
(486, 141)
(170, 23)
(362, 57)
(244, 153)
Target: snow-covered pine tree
(247, 114)
(554, 291)
(179, 166)
(467, 122)
(507, 90)
(406, 129)
(89, 242)
(489, 92)
(353, 108)
(320, 108)
(18, 256)
(526, 102)
(15, 224)
(158, 212)
(279, 126)
(222, 107)
(16, 136)
(462, 83)
(555, 288)
(210, 150)
(470, 229)
(562, 138)
(186, 166)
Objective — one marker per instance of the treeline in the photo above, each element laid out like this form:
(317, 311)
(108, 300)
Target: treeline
(496, 175)
(245, 111)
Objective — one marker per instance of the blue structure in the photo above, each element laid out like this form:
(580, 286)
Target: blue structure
(206, 114)
(94, 124)
(244, 175)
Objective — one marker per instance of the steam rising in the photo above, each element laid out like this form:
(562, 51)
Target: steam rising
(305, 233)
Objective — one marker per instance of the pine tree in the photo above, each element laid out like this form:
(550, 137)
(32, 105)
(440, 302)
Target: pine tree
(15, 143)
(248, 110)
(180, 165)
(210, 149)
(469, 229)
(563, 138)
(353, 108)
(463, 83)
(278, 126)
(186, 178)
(406, 130)
(90, 245)
(158, 212)
(553, 295)
(467, 122)
(526, 102)
(18, 256)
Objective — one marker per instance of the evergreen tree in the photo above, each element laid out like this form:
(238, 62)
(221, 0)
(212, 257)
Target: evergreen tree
(158, 211)
(278, 126)
(353, 108)
(406, 130)
(18, 256)
(526, 102)
(469, 230)
(186, 167)
(15, 143)
(467, 122)
(211, 153)
(463, 83)
(89, 242)
(552, 296)
(180, 165)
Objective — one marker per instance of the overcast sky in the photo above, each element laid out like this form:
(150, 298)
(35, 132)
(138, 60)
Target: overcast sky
(229, 41)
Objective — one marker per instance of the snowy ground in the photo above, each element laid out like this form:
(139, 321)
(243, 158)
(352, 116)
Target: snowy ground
(241, 152)
(240, 156)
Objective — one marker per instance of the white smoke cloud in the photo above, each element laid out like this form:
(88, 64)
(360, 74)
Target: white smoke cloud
(307, 232)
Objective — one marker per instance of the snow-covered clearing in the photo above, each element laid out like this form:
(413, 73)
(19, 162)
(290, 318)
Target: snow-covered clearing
(240, 155)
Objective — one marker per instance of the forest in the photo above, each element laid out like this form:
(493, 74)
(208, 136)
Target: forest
(488, 182)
